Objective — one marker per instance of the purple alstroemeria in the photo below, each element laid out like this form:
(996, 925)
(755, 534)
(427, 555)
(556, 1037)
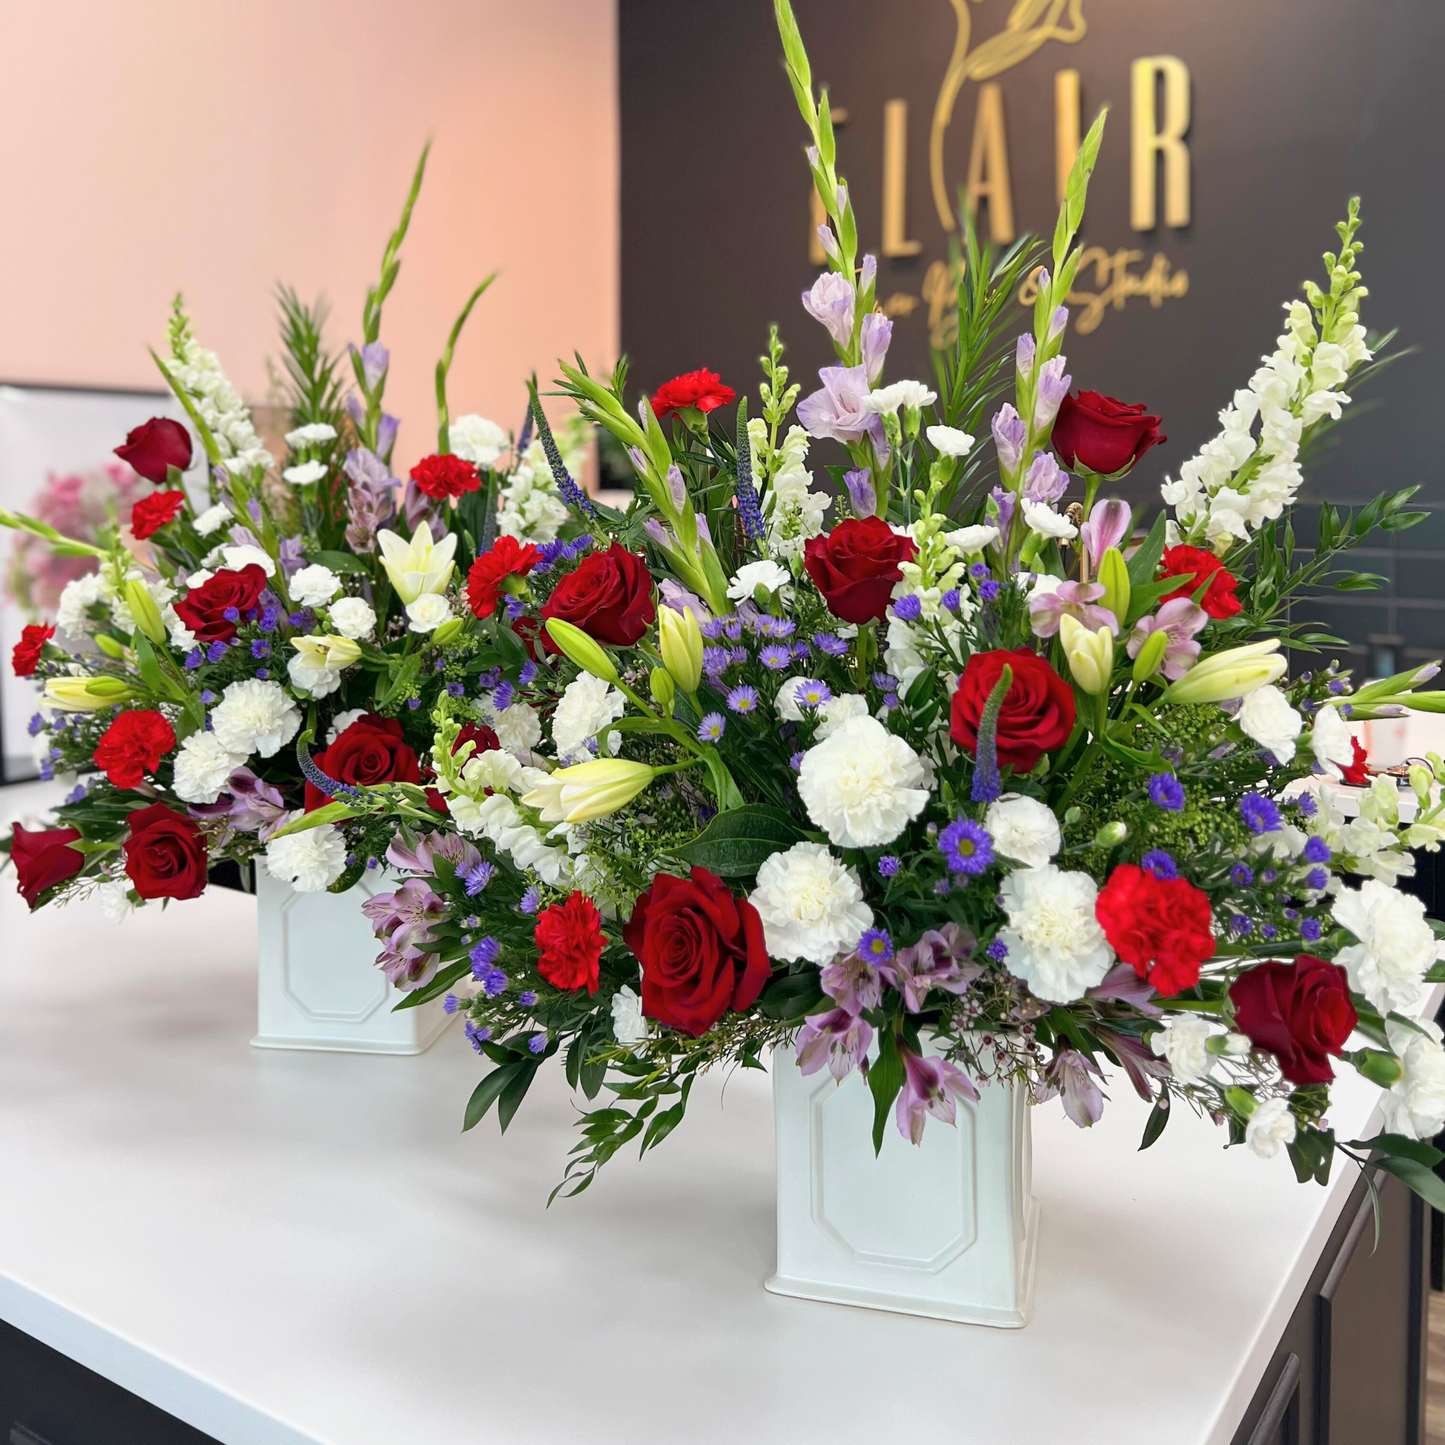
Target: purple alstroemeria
(836, 409)
(830, 302)
(1024, 354)
(420, 857)
(1009, 434)
(401, 921)
(873, 338)
(940, 959)
(248, 805)
(839, 1039)
(1181, 619)
(1054, 386)
(861, 492)
(1124, 984)
(1138, 1061)
(853, 984)
(1045, 480)
(931, 1086)
(679, 599)
(1109, 524)
(1068, 1077)
(1077, 600)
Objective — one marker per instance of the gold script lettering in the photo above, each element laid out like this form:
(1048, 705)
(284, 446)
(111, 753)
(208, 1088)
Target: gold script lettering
(1066, 129)
(1116, 283)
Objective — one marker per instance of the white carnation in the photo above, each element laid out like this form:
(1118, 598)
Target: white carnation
(1266, 716)
(1182, 1044)
(518, 728)
(72, 613)
(1415, 1104)
(313, 681)
(477, 440)
(213, 519)
(832, 715)
(1396, 945)
(255, 716)
(427, 612)
(1269, 1126)
(970, 540)
(949, 441)
(584, 709)
(115, 900)
(352, 617)
(628, 1024)
(302, 475)
(1054, 941)
(342, 721)
(1023, 829)
(203, 767)
(767, 575)
(244, 555)
(181, 636)
(811, 906)
(313, 585)
(860, 785)
(310, 861)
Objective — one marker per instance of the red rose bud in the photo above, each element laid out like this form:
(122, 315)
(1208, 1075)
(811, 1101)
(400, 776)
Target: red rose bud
(1300, 1012)
(25, 655)
(133, 745)
(486, 582)
(1159, 925)
(445, 476)
(43, 858)
(856, 567)
(609, 597)
(701, 950)
(156, 445)
(370, 751)
(702, 390)
(165, 854)
(152, 513)
(1102, 435)
(569, 943)
(203, 609)
(1194, 565)
(1037, 715)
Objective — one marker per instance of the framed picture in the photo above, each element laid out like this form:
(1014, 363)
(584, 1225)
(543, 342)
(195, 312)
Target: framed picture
(57, 463)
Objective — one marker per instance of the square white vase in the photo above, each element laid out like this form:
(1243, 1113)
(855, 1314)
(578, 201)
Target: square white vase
(318, 983)
(946, 1228)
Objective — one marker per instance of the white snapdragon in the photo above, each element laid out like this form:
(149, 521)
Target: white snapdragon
(899, 396)
(1415, 1103)
(244, 555)
(1182, 1044)
(203, 767)
(499, 821)
(970, 541)
(255, 716)
(811, 906)
(532, 507)
(1054, 941)
(583, 711)
(860, 785)
(793, 510)
(1396, 945)
(72, 613)
(310, 861)
(198, 372)
(477, 440)
(1023, 829)
(312, 586)
(115, 903)
(1270, 1126)
(352, 617)
(313, 434)
(1266, 716)
(1040, 517)
(304, 473)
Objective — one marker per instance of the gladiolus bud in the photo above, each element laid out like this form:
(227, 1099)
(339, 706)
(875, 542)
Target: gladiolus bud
(448, 632)
(589, 790)
(681, 646)
(86, 694)
(1090, 654)
(1151, 655)
(109, 645)
(1114, 577)
(664, 690)
(143, 608)
(1230, 674)
(577, 647)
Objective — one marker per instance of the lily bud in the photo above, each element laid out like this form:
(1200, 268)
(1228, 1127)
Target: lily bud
(681, 645)
(86, 694)
(1234, 673)
(108, 645)
(1151, 655)
(143, 608)
(323, 651)
(589, 790)
(577, 647)
(1114, 578)
(447, 632)
(664, 690)
(1090, 654)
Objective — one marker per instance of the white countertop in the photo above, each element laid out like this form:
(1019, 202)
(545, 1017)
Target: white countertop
(291, 1248)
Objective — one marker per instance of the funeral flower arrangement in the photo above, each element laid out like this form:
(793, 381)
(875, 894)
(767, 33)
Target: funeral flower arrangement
(224, 622)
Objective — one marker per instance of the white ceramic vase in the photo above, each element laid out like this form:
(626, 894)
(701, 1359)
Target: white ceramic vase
(319, 986)
(946, 1228)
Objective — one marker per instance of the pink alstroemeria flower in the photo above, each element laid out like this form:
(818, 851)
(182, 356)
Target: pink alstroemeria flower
(1075, 598)
(1109, 524)
(938, 960)
(853, 984)
(931, 1086)
(1181, 619)
(839, 1039)
(1068, 1076)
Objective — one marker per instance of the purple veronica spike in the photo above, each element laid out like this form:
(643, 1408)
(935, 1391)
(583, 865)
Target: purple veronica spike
(749, 513)
(572, 494)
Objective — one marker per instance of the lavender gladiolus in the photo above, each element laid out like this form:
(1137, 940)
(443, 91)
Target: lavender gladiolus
(1109, 524)
(839, 1039)
(867, 274)
(1045, 480)
(1053, 388)
(836, 410)
(861, 492)
(829, 242)
(1005, 503)
(1009, 434)
(931, 1086)
(1181, 619)
(1024, 354)
(873, 338)
(1076, 599)
(677, 597)
(386, 437)
(375, 359)
(830, 302)
(1057, 322)
(659, 533)
(676, 486)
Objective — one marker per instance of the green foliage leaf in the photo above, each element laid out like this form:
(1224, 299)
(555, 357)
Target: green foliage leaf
(487, 1092)
(737, 844)
(1158, 1118)
(791, 996)
(1425, 1182)
(885, 1079)
(509, 1100)
(1145, 561)
(1403, 1146)
(341, 562)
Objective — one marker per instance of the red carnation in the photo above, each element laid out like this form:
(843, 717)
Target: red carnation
(25, 656)
(1160, 925)
(369, 751)
(133, 745)
(701, 949)
(445, 476)
(1037, 713)
(165, 854)
(43, 858)
(152, 513)
(1100, 434)
(609, 597)
(1357, 775)
(155, 446)
(703, 390)
(508, 558)
(203, 609)
(1300, 1012)
(1194, 565)
(856, 566)
(569, 943)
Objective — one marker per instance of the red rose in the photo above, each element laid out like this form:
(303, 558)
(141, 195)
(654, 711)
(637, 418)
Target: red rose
(203, 609)
(152, 513)
(1103, 435)
(855, 567)
(1037, 714)
(1160, 925)
(701, 949)
(445, 476)
(165, 854)
(156, 445)
(133, 745)
(609, 597)
(43, 858)
(1194, 565)
(508, 558)
(1357, 775)
(370, 750)
(25, 656)
(1300, 1012)
(701, 389)
(569, 943)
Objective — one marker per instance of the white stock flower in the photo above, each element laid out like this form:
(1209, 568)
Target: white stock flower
(628, 1024)
(1023, 829)
(72, 613)
(255, 716)
(427, 612)
(244, 555)
(1266, 716)
(1042, 518)
(203, 767)
(1054, 941)
(972, 540)
(1396, 945)
(352, 617)
(860, 785)
(181, 636)
(899, 395)
(314, 585)
(532, 510)
(1269, 1126)
(1331, 740)
(342, 721)
(314, 433)
(310, 861)
(498, 820)
(1182, 1044)
(518, 728)
(1415, 1103)
(949, 441)
(302, 475)
(584, 709)
(494, 771)
(213, 519)
(832, 715)
(767, 575)
(477, 440)
(811, 906)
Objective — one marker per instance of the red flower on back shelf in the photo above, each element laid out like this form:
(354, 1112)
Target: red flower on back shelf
(703, 390)
(1159, 925)
(133, 745)
(1357, 774)
(445, 476)
(1194, 564)
(25, 656)
(569, 943)
(152, 513)
(508, 558)
(156, 445)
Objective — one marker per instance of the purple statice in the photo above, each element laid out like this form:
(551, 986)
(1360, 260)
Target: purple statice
(989, 589)
(1260, 813)
(1167, 792)
(537, 1043)
(36, 723)
(739, 655)
(527, 998)
(886, 681)
(514, 608)
(743, 699)
(941, 887)
(413, 703)
(890, 700)
(812, 693)
(231, 614)
(1241, 925)
(260, 648)
(1241, 875)
(301, 620)
(1292, 915)
(712, 727)
(950, 600)
(908, 608)
(711, 629)
(450, 1004)
(875, 946)
(502, 697)
(1317, 879)
(1160, 864)
(967, 847)
(1316, 850)
(997, 950)
(733, 627)
(796, 762)
(1306, 804)
(1268, 932)
(776, 656)
(531, 900)
(476, 878)
(978, 571)
(1310, 930)
(215, 652)
(493, 982)
(1336, 687)
(888, 866)
(477, 1034)
(484, 956)
(270, 617)
(455, 689)
(528, 674)
(487, 680)
(1268, 876)
(76, 794)
(47, 771)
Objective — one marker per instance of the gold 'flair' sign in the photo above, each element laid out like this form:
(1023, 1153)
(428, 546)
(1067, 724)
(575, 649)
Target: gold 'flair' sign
(1159, 104)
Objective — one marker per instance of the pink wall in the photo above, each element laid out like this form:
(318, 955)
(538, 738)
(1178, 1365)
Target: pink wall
(218, 148)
